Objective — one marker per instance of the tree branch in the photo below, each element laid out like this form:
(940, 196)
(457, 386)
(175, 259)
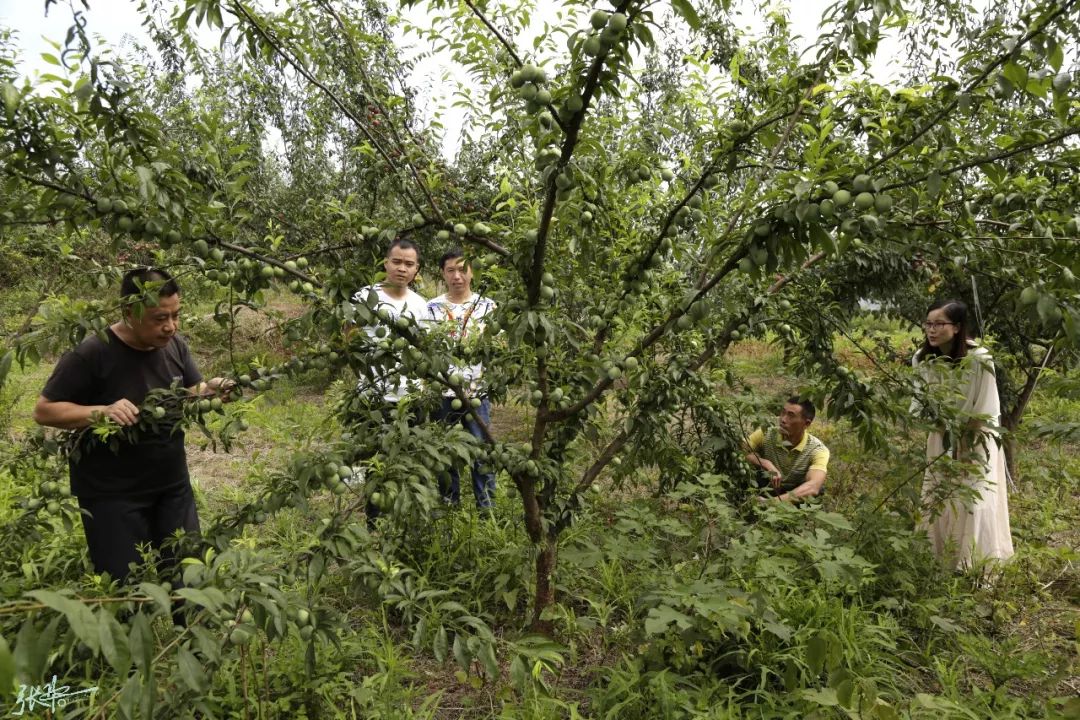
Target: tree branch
(513, 54)
(944, 112)
(569, 143)
(1068, 132)
(298, 67)
(374, 97)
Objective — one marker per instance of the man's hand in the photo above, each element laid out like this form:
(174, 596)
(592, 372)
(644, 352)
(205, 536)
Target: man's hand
(215, 387)
(122, 412)
(775, 476)
(224, 387)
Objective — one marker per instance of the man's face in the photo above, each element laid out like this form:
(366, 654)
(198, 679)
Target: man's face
(458, 276)
(156, 324)
(401, 266)
(792, 422)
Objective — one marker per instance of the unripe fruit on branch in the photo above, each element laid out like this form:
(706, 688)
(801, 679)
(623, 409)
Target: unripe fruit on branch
(883, 203)
(864, 201)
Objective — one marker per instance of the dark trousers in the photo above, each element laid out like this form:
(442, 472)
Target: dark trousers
(483, 480)
(117, 526)
(375, 413)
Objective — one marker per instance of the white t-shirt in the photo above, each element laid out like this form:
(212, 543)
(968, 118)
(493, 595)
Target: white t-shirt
(462, 321)
(412, 305)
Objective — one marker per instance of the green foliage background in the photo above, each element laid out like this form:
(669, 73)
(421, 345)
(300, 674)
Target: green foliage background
(658, 206)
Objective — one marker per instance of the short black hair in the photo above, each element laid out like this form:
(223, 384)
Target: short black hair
(451, 254)
(809, 412)
(404, 244)
(136, 280)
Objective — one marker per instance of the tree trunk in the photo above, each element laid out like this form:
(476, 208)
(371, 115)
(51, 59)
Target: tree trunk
(545, 585)
(1009, 448)
(545, 539)
(1011, 420)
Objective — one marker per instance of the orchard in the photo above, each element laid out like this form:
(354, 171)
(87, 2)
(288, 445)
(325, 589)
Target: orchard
(681, 222)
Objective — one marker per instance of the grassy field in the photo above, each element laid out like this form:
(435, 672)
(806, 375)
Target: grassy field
(1013, 642)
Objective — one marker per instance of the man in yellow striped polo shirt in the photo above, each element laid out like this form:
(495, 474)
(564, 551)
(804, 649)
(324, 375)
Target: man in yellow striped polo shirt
(794, 461)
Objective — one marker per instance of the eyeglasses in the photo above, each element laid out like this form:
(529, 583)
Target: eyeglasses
(407, 264)
(935, 325)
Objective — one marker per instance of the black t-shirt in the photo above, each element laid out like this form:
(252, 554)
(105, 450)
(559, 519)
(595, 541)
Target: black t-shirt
(101, 372)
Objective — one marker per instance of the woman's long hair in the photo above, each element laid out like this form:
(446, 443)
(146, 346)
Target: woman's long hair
(957, 312)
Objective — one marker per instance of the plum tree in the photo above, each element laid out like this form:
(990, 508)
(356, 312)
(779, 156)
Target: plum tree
(800, 190)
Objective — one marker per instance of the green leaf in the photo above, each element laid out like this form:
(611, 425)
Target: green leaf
(945, 624)
(823, 239)
(825, 696)
(686, 11)
(5, 365)
(778, 629)
(32, 650)
(835, 520)
(659, 618)
(191, 670)
(7, 669)
(114, 643)
(934, 184)
(487, 659)
(11, 99)
(1046, 306)
(519, 674)
(1015, 74)
(1055, 57)
(816, 649)
(510, 598)
(51, 59)
(199, 598)
(79, 616)
(158, 594)
(461, 654)
(141, 642)
(439, 646)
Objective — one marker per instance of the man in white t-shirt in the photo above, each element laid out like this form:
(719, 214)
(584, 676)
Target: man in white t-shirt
(382, 392)
(402, 263)
(461, 314)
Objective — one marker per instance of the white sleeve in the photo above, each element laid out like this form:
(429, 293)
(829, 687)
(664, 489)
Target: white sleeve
(916, 407)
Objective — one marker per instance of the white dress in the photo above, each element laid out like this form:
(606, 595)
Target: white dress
(968, 530)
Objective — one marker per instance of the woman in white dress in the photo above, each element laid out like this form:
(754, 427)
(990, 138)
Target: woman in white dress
(970, 526)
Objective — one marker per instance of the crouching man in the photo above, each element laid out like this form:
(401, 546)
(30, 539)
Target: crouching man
(793, 462)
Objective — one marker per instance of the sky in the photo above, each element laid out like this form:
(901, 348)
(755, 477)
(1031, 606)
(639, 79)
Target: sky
(118, 22)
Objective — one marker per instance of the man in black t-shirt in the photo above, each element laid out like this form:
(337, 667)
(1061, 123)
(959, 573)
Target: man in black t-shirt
(138, 491)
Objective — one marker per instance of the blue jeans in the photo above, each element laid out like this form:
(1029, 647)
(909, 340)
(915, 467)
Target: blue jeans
(483, 482)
